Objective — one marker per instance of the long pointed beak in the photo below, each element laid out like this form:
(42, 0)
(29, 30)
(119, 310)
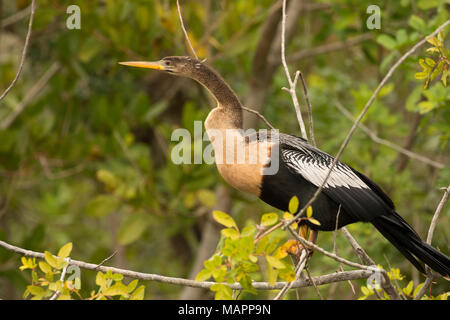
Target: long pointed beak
(144, 64)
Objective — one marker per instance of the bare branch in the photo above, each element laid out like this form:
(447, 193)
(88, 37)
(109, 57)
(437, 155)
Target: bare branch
(259, 115)
(15, 17)
(24, 52)
(436, 214)
(431, 276)
(321, 280)
(298, 271)
(292, 83)
(372, 135)
(329, 47)
(308, 103)
(184, 30)
(31, 94)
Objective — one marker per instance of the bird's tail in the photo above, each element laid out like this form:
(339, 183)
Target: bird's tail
(394, 228)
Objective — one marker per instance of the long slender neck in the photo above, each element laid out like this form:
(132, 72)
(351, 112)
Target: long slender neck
(226, 99)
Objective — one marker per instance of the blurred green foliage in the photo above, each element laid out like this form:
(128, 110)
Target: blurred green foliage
(88, 160)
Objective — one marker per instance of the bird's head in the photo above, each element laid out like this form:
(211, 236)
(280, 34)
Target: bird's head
(177, 65)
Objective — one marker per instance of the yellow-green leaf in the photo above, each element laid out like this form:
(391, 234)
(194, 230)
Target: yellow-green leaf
(314, 221)
(51, 260)
(289, 216)
(138, 294)
(206, 197)
(230, 233)
(224, 219)
(287, 274)
(408, 289)
(293, 205)
(434, 41)
(223, 292)
(274, 262)
(420, 75)
(269, 219)
(272, 275)
(44, 267)
(65, 251)
(309, 212)
(203, 275)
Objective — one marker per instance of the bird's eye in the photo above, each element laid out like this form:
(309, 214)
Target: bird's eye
(167, 63)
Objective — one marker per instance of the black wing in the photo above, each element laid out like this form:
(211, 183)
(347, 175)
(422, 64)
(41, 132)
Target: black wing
(361, 198)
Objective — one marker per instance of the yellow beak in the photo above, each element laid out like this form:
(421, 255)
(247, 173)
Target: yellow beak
(143, 64)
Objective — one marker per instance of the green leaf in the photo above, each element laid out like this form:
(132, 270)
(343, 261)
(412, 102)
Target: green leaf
(366, 291)
(293, 205)
(132, 285)
(417, 23)
(51, 260)
(108, 178)
(248, 231)
(230, 233)
(45, 267)
(426, 106)
(132, 228)
(417, 289)
(428, 4)
(309, 212)
(287, 274)
(203, 275)
(314, 221)
(420, 75)
(261, 245)
(408, 289)
(272, 275)
(274, 262)
(138, 294)
(224, 219)
(387, 41)
(430, 62)
(223, 292)
(101, 205)
(206, 197)
(65, 250)
(269, 219)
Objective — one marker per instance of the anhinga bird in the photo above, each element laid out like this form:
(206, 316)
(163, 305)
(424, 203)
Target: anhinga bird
(302, 169)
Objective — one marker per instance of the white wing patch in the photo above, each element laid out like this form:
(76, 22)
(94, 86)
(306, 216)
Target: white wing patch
(314, 167)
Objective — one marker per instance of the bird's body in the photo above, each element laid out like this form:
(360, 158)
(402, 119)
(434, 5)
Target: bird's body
(301, 169)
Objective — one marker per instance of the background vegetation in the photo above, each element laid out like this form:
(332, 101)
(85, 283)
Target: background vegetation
(88, 160)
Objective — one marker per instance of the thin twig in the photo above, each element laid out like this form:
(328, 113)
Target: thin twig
(292, 83)
(372, 135)
(362, 114)
(106, 259)
(184, 30)
(15, 17)
(260, 116)
(307, 243)
(24, 52)
(314, 284)
(430, 275)
(310, 117)
(30, 95)
(328, 47)
(298, 270)
(436, 215)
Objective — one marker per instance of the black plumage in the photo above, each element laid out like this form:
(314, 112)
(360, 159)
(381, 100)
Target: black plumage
(302, 168)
